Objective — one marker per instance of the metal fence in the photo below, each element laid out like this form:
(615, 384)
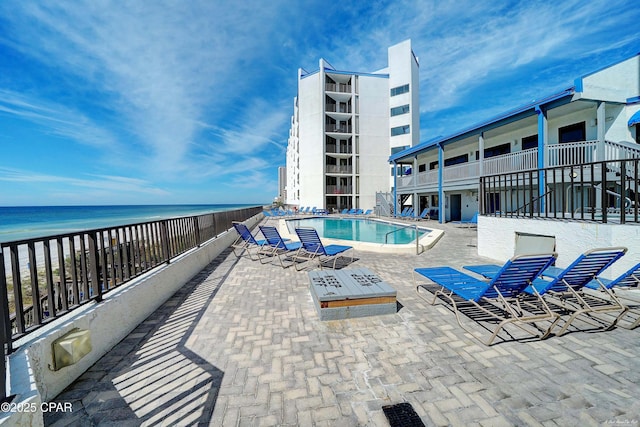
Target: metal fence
(42, 279)
(601, 192)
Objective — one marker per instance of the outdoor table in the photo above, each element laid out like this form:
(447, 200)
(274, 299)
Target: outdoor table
(348, 293)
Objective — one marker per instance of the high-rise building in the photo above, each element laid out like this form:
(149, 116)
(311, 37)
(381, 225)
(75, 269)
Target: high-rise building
(344, 127)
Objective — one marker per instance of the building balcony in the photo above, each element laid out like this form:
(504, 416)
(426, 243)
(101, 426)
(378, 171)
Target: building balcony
(567, 154)
(330, 127)
(338, 87)
(339, 189)
(334, 108)
(339, 169)
(339, 149)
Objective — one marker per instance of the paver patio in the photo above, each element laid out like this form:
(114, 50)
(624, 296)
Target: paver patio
(241, 344)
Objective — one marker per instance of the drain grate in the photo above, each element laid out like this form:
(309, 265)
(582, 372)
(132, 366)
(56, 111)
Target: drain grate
(402, 415)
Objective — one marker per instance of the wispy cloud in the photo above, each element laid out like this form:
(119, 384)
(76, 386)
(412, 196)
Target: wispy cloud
(98, 182)
(187, 92)
(164, 67)
(55, 119)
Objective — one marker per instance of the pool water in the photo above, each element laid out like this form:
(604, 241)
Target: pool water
(360, 230)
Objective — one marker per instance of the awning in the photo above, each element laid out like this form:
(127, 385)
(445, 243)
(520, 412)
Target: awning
(635, 119)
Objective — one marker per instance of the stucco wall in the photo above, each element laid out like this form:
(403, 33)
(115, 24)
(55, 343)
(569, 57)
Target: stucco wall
(496, 239)
(30, 376)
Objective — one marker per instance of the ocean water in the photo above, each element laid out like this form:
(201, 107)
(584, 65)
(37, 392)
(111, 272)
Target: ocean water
(27, 222)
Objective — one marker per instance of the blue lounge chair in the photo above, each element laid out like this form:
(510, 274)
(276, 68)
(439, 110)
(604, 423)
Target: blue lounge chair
(344, 211)
(423, 215)
(407, 214)
(313, 249)
(403, 213)
(628, 280)
(470, 222)
(276, 245)
(566, 289)
(245, 241)
(368, 212)
(499, 299)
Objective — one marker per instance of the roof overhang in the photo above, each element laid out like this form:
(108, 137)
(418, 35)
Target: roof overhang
(552, 101)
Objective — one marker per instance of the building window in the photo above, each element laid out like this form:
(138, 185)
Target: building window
(396, 111)
(399, 90)
(422, 167)
(395, 150)
(400, 130)
(498, 150)
(456, 160)
(433, 165)
(573, 133)
(529, 142)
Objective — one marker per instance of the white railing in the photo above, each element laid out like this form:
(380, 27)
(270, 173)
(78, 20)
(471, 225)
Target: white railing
(512, 162)
(429, 177)
(461, 171)
(565, 154)
(621, 150)
(406, 181)
(572, 153)
(339, 169)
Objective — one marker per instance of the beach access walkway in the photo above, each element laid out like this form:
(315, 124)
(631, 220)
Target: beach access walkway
(241, 344)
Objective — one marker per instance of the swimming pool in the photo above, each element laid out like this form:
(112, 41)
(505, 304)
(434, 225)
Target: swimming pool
(361, 230)
(367, 234)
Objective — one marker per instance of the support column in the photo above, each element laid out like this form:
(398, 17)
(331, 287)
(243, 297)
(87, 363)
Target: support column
(543, 161)
(395, 188)
(440, 184)
(481, 153)
(600, 123)
(416, 201)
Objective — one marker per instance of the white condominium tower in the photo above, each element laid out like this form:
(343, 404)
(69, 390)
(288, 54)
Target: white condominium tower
(345, 126)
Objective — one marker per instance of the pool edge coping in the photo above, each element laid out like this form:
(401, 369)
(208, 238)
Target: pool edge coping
(424, 243)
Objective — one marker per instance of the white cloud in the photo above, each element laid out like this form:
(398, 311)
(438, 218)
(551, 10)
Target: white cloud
(163, 65)
(112, 184)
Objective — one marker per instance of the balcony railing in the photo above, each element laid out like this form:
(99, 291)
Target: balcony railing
(42, 279)
(572, 153)
(330, 127)
(339, 168)
(461, 171)
(339, 149)
(339, 189)
(428, 177)
(566, 154)
(518, 161)
(603, 192)
(336, 108)
(338, 87)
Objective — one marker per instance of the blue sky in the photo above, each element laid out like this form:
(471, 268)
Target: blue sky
(145, 102)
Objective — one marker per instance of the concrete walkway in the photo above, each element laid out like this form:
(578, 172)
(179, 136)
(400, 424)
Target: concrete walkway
(241, 344)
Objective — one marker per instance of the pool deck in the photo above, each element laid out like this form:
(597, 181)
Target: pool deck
(241, 345)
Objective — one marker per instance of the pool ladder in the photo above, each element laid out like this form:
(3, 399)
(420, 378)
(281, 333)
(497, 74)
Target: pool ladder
(415, 227)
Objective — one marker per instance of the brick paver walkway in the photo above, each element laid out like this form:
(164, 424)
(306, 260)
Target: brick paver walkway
(241, 344)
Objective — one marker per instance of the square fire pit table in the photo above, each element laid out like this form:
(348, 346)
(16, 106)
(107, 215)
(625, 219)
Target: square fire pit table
(344, 294)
